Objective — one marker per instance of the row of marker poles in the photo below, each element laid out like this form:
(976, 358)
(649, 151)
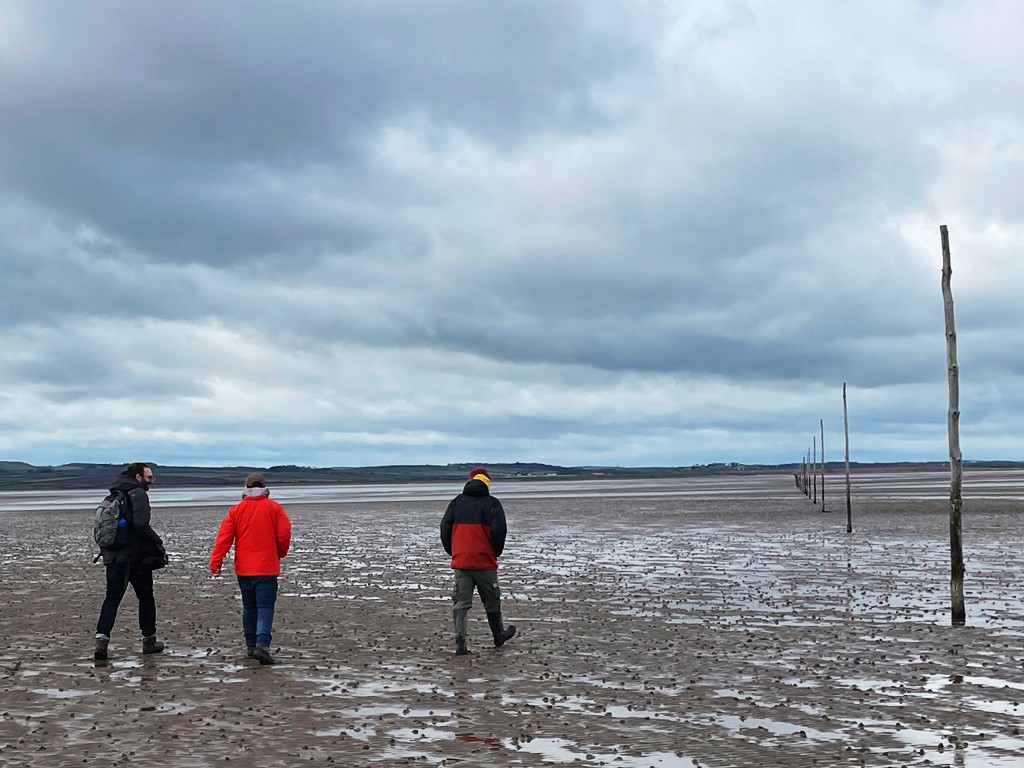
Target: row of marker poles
(807, 477)
(810, 469)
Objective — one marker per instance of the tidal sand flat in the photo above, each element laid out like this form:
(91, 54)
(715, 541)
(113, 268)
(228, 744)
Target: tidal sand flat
(678, 623)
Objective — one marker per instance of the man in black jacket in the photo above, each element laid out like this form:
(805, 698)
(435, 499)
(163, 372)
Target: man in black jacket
(133, 563)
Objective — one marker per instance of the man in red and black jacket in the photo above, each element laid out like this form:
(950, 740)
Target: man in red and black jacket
(473, 532)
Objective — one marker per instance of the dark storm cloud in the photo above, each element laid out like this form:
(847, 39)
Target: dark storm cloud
(158, 123)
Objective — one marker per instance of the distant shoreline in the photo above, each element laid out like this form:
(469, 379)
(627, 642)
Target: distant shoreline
(20, 476)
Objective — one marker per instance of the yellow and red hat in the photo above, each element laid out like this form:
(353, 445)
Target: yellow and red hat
(481, 474)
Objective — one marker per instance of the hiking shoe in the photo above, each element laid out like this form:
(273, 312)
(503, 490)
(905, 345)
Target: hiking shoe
(152, 645)
(250, 651)
(262, 655)
(100, 654)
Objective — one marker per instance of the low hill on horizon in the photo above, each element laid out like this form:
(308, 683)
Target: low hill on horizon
(16, 475)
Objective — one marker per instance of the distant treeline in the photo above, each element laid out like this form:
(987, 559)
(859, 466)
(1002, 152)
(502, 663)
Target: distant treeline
(16, 475)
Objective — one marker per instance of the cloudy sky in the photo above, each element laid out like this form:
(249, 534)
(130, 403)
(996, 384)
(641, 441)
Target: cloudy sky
(659, 233)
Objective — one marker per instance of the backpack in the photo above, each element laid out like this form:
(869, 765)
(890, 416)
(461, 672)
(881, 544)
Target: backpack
(110, 522)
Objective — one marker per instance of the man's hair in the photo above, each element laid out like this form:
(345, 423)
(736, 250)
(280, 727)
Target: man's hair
(136, 468)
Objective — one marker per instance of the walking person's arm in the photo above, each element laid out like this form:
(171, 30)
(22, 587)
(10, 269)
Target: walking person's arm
(151, 546)
(446, 527)
(141, 515)
(225, 538)
(283, 530)
(498, 528)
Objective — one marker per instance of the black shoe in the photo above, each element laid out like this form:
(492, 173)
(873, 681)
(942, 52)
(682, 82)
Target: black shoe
(100, 654)
(262, 655)
(460, 647)
(502, 634)
(152, 645)
(250, 651)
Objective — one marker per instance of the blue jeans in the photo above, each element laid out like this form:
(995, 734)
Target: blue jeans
(259, 594)
(119, 576)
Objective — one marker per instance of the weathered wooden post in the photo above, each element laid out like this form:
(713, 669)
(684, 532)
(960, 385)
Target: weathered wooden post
(814, 467)
(846, 432)
(956, 546)
(803, 467)
(807, 474)
(821, 423)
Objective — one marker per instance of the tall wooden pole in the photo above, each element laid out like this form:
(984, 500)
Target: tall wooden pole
(846, 432)
(807, 477)
(814, 467)
(956, 545)
(821, 423)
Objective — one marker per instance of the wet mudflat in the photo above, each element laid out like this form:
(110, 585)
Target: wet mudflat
(712, 630)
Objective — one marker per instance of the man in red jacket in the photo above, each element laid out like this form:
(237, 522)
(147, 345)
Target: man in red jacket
(261, 533)
(473, 532)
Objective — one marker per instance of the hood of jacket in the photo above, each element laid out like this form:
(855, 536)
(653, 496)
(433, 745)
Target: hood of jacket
(126, 483)
(476, 488)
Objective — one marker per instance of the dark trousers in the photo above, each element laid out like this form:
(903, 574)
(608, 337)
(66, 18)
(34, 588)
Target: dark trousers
(119, 576)
(259, 595)
(484, 582)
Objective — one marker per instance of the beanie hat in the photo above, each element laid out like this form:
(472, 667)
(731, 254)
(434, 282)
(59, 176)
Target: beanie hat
(255, 480)
(480, 473)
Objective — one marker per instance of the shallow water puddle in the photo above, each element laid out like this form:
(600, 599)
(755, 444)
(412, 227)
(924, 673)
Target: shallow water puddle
(948, 744)
(394, 710)
(60, 693)
(373, 687)
(630, 712)
(990, 682)
(988, 753)
(891, 688)
(564, 751)
(421, 734)
(353, 732)
(739, 724)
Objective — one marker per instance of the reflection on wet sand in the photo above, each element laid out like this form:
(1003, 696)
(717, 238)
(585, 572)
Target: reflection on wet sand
(700, 628)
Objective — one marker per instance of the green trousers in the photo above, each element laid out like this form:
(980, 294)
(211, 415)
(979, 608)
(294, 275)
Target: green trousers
(485, 582)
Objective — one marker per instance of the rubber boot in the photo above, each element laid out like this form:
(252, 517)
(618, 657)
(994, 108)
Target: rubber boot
(262, 654)
(501, 634)
(100, 654)
(461, 625)
(152, 645)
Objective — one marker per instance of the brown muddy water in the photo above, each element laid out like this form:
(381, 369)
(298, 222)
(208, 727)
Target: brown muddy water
(713, 625)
